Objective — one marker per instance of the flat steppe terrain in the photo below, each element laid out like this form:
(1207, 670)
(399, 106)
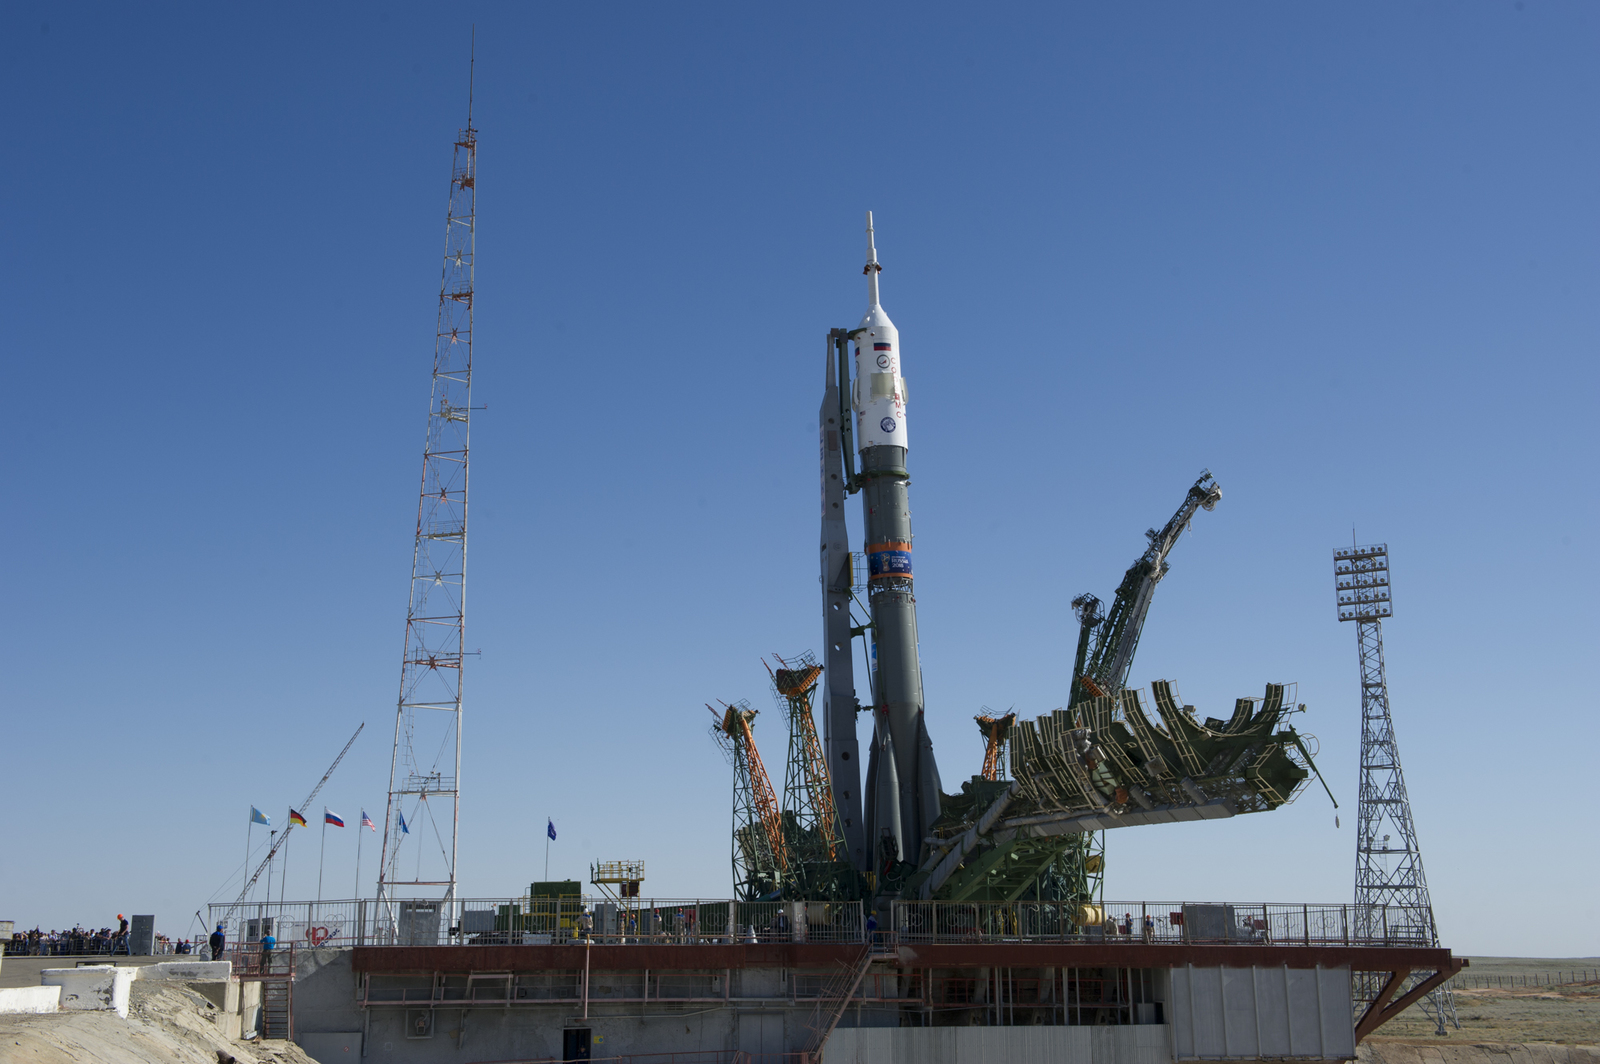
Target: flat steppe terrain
(1562, 1012)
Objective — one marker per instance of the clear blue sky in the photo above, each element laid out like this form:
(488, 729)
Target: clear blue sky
(1345, 255)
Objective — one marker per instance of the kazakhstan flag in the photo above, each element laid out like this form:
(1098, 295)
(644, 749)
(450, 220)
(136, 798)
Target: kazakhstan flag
(258, 817)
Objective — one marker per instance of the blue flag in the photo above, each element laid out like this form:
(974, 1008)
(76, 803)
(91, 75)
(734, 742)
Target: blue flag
(402, 817)
(550, 828)
(258, 817)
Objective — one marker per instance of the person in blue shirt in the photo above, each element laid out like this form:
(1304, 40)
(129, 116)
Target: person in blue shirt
(268, 944)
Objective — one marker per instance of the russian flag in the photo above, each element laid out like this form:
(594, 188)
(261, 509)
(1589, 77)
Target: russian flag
(330, 817)
(882, 347)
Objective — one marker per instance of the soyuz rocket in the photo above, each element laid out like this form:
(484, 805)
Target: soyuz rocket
(902, 793)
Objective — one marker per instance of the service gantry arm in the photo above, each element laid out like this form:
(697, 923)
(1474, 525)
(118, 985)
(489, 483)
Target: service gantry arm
(734, 732)
(1103, 669)
(795, 682)
(996, 733)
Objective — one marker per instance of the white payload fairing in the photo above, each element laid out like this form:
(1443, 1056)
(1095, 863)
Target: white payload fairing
(880, 390)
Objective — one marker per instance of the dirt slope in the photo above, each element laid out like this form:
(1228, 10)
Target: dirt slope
(167, 1024)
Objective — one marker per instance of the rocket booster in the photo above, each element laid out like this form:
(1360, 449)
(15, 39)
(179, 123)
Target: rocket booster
(902, 786)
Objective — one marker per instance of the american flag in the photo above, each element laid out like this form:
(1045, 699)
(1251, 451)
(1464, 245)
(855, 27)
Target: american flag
(366, 821)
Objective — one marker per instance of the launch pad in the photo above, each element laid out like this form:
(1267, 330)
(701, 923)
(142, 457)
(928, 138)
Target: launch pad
(874, 916)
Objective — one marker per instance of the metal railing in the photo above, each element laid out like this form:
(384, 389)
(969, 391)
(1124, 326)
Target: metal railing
(1165, 923)
(541, 921)
(698, 921)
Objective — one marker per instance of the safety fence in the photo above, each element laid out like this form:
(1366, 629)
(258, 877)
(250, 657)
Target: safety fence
(1161, 923)
(1528, 980)
(70, 945)
(540, 921)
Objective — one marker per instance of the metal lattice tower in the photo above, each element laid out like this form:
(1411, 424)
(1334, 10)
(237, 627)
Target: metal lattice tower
(760, 856)
(1391, 891)
(819, 857)
(424, 809)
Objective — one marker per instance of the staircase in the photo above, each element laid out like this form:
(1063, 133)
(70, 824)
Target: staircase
(275, 973)
(833, 1000)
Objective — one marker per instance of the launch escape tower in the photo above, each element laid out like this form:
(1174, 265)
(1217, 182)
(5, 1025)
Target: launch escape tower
(424, 805)
(1389, 876)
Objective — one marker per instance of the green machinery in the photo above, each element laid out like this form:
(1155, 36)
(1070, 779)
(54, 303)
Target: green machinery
(1102, 762)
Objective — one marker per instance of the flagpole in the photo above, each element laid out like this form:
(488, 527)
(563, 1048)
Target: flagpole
(320, 855)
(358, 859)
(250, 826)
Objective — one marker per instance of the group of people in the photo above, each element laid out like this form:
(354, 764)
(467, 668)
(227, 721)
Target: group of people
(79, 942)
(651, 925)
(1146, 927)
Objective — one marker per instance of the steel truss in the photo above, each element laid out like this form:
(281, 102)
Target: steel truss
(1389, 875)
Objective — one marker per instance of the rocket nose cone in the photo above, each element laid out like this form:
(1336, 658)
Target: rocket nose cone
(876, 317)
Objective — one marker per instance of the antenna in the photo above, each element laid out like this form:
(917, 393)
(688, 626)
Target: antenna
(472, 71)
(425, 768)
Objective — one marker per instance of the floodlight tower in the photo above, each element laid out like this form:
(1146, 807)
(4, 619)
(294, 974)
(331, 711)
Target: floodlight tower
(1391, 891)
(424, 810)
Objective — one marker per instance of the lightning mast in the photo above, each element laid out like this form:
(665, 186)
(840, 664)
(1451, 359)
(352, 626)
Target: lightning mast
(1392, 899)
(424, 809)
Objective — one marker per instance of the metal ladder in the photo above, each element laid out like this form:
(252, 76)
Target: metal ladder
(277, 1008)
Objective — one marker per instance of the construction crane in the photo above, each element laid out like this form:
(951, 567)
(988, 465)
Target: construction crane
(760, 858)
(1102, 670)
(996, 734)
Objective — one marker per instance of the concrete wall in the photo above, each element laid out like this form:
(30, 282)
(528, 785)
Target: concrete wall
(1137, 1044)
(30, 999)
(1255, 1013)
(92, 986)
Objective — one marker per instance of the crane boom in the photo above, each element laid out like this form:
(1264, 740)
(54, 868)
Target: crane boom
(1103, 670)
(312, 797)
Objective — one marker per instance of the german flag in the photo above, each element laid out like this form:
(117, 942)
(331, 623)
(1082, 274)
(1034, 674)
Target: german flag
(296, 818)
